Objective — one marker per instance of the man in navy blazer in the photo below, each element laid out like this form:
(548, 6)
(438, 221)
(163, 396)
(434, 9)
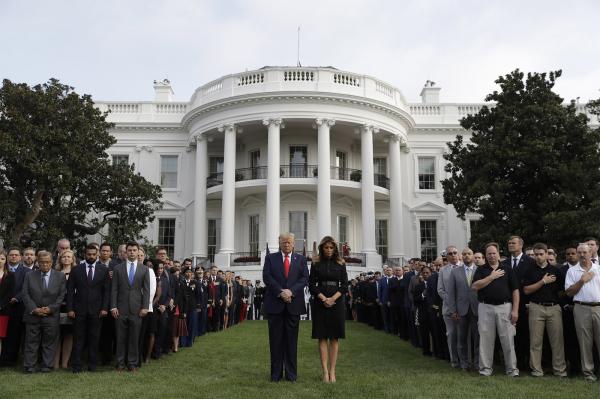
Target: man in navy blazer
(87, 302)
(285, 274)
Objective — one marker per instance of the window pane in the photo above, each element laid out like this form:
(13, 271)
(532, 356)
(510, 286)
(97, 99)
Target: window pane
(380, 166)
(298, 224)
(120, 159)
(214, 237)
(166, 235)
(428, 230)
(342, 229)
(298, 156)
(216, 164)
(253, 235)
(168, 171)
(427, 173)
(381, 238)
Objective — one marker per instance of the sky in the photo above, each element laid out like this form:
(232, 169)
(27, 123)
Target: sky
(115, 49)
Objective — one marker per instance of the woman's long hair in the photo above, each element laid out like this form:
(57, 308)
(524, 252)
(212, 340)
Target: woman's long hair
(336, 253)
(59, 265)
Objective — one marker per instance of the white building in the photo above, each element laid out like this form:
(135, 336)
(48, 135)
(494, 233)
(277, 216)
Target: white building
(314, 151)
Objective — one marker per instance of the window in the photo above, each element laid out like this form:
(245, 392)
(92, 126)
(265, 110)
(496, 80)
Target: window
(166, 235)
(298, 224)
(380, 166)
(215, 171)
(254, 164)
(118, 159)
(342, 229)
(426, 173)
(168, 171)
(214, 237)
(253, 235)
(428, 230)
(381, 238)
(473, 224)
(298, 157)
(341, 162)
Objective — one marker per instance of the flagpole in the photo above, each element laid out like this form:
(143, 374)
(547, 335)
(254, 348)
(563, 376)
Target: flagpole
(298, 55)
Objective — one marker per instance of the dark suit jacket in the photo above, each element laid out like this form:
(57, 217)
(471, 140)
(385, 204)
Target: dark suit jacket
(384, 292)
(84, 298)
(35, 296)
(7, 291)
(521, 270)
(275, 281)
(397, 292)
(20, 274)
(130, 299)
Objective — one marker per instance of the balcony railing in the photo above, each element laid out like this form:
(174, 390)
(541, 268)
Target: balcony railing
(297, 171)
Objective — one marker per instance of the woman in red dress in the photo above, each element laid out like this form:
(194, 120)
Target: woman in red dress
(7, 286)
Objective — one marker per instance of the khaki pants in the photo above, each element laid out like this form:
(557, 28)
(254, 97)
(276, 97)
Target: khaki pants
(549, 317)
(587, 325)
(492, 319)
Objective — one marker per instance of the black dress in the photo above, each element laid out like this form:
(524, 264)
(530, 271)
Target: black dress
(328, 277)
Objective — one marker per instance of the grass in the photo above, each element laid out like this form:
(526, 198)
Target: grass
(235, 364)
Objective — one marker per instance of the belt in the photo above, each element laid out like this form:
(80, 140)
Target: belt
(545, 303)
(587, 303)
(495, 303)
(328, 283)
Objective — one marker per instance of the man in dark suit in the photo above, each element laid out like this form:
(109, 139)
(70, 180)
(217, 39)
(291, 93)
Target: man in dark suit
(285, 275)
(107, 334)
(87, 304)
(130, 293)
(217, 291)
(396, 294)
(43, 293)
(520, 263)
(12, 343)
(383, 294)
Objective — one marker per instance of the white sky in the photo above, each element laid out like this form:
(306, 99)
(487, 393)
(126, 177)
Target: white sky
(114, 49)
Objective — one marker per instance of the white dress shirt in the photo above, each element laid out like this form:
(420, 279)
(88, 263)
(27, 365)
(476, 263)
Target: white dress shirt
(590, 291)
(152, 287)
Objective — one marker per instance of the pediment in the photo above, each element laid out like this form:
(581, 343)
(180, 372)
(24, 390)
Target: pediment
(171, 206)
(428, 207)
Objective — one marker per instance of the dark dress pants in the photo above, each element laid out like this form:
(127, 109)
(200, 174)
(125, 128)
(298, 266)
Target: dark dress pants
(86, 330)
(128, 338)
(44, 334)
(11, 345)
(283, 344)
(161, 332)
(108, 337)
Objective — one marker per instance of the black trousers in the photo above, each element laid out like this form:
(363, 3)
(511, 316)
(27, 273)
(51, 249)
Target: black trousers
(161, 332)
(395, 319)
(108, 338)
(283, 345)
(11, 345)
(215, 320)
(86, 329)
(522, 339)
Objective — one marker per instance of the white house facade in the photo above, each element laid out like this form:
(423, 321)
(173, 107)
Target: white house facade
(314, 151)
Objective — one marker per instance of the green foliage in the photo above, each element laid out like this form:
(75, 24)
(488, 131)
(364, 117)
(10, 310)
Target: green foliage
(531, 167)
(56, 177)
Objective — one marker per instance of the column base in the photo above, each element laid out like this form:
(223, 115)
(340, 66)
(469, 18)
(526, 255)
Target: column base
(373, 261)
(223, 260)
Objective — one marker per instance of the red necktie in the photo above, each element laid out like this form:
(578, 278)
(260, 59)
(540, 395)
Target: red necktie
(286, 266)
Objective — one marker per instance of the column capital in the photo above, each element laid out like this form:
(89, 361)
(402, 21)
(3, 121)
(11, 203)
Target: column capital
(273, 122)
(368, 128)
(324, 122)
(199, 137)
(227, 127)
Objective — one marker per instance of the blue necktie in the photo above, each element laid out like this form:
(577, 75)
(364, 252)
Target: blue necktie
(131, 273)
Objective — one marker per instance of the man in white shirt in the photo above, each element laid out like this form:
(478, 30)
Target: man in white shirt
(583, 284)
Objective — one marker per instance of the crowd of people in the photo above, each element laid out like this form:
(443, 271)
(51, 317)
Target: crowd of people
(58, 312)
(545, 315)
(61, 312)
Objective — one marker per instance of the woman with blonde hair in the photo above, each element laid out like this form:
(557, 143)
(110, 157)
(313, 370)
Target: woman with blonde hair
(328, 282)
(65, 262)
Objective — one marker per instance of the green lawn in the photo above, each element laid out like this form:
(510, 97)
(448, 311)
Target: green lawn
(235, 364)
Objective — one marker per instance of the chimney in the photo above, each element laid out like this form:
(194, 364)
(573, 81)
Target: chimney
(430, 93)
(163, 93)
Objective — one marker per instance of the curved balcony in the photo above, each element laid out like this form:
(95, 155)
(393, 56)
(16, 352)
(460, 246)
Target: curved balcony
(296, 171)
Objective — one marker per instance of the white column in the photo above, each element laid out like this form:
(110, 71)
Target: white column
(200, 247)
(324, 178)
(395, 223)
(273, 170)
(368, 196)
(228, 200)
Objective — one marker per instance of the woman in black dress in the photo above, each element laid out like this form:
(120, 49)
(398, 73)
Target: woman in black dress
(328, 283)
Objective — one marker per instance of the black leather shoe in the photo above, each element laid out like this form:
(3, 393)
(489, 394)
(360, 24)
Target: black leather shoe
(45, 370)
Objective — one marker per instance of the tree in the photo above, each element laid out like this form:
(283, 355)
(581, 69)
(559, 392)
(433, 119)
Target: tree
(531, 166)
(57, 180)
